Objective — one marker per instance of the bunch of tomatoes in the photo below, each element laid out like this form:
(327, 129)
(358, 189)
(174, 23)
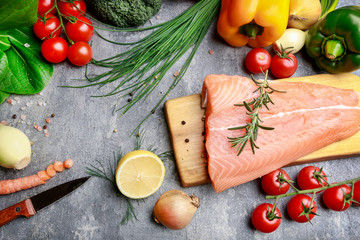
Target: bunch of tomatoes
(282, 65)
(301, 207)
(78, 30)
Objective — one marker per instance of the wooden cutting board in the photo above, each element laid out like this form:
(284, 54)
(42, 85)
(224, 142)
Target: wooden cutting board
(185, 120)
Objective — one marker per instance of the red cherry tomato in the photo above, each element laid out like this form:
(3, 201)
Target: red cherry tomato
(45, 27)
(45, 6)
(258, 60)
(54, 49)
(307, 178)
(335, 199)
(80, 53)
(356, 196)
(81, 30)
(296, 210)
(283, 67)
(263, 220)
(70, 7)
(273, 184)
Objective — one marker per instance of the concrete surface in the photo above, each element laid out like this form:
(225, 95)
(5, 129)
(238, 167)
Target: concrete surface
(82, 129)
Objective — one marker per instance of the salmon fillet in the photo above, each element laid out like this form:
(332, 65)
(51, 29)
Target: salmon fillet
(305, 118)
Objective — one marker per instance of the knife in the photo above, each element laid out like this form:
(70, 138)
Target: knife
(31, 206)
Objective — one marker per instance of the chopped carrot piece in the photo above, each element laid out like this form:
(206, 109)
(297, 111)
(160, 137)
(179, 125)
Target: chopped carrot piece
(68, 163)
(59, 166)
(51, 170)
(43, 175)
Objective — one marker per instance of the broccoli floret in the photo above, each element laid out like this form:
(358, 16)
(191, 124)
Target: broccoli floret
(124, 13)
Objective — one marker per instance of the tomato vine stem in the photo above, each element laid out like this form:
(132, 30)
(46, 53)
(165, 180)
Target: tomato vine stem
(314, 190)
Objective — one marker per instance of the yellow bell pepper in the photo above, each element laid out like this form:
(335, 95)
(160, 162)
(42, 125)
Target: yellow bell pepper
(257, 23)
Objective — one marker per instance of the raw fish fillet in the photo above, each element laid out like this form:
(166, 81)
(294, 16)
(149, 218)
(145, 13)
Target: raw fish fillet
(306, 118)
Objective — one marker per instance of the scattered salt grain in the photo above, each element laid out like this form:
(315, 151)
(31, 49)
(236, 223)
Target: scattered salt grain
(40, 103)
(211, 52)
(23, 108)
(26, 45)
(47, 134)
(9, 101)
(3, 123)
(23, 117)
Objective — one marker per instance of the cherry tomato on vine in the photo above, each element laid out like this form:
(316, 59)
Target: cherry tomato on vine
(54, 49)
(356, 196)
(283, 65)
(265, 221)
(335, 199)
(45, 27)
(80, 53)
(45, 6)
(258, 60)
(81, 30)
(274, 183)
(70, 7)
(311, 177)
(296, 210)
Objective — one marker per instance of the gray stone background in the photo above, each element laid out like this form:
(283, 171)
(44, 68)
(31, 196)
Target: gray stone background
(83, 130)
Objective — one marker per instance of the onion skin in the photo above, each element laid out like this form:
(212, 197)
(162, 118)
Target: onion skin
(15, 148)
(175, 209)
(304, 13)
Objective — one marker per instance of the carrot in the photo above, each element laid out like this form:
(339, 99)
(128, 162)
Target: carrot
(68, 163)
(18, 184)
(59, 166)
(14, 185)
(51, 170)
(43, 175)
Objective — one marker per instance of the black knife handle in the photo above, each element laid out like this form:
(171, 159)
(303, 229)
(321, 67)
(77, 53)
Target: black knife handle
(24, 208)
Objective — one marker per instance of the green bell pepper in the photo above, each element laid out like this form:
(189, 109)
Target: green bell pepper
(334, 41)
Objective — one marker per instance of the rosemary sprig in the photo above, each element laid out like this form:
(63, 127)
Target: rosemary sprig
(109, 174)
(253, 107)
(141, 69)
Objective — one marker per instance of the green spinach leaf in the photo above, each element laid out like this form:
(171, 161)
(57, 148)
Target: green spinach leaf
(17, 13)
(3, 96)
(22, 69)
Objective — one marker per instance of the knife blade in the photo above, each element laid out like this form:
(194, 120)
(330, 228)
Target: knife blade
(30, 206)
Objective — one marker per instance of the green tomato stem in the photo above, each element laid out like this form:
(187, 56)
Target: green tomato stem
(314, 190)
(62, 23)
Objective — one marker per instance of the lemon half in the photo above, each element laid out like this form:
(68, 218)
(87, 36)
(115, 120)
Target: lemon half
(139, 174)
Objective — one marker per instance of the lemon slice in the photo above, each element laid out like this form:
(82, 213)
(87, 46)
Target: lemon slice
(139, 174)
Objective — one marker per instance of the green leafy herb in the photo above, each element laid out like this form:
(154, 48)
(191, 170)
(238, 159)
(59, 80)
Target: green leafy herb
(22, 68)
(18, 13)
(108, 173)
(140, 69)
(253, 107)
(3, 96)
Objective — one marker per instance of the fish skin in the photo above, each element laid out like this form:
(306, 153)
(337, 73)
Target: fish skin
(306, 118)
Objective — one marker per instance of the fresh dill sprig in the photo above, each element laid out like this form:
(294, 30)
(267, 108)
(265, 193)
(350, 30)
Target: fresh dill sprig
(109, 173)
(253, 107)
(140, 69)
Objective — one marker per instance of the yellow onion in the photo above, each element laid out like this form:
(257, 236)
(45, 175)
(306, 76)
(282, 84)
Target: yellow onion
(304, 13)
(175, 209)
